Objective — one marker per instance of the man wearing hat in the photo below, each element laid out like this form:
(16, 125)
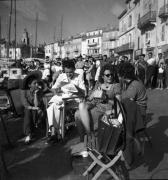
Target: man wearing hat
(32, 101)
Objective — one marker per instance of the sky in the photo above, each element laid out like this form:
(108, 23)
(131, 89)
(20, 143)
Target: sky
(78, 16)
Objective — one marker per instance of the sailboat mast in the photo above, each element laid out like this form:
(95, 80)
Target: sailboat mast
(0, 36)
(53, 51)
(9, 30)
(15, 31)
(61, 41)
(54, 38)
(36, 33)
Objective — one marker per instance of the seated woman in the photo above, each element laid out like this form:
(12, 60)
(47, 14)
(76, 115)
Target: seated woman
(53, 111)
(99, 102)
(32, 102)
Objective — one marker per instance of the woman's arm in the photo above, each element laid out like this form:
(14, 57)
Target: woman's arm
(24, 100)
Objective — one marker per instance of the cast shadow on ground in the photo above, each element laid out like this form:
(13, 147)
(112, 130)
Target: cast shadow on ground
(155, 154)
(38, 163)
(37, 160)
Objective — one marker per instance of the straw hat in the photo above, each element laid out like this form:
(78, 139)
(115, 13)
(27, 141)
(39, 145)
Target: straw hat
(34, 74)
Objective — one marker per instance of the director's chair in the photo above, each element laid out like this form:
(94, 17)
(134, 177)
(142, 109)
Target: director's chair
(65, 111)
(110, 162)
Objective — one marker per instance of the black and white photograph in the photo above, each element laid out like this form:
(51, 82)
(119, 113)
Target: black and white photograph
(83, 89)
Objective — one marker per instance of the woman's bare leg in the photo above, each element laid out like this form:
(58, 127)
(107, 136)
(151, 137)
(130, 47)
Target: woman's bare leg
(84, 114)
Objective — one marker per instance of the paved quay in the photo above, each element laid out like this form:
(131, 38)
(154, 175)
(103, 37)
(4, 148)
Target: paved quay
(39, 161)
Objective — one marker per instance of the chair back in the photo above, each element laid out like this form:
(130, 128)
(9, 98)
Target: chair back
(111, 132)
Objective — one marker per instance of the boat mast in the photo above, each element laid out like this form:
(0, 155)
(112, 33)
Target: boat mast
(9, 30)
(15, 30)
(0, 36)
(53, 53)
(61, 41)
(36, 33)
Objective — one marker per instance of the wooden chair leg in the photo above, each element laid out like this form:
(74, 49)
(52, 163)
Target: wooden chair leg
(104, 167)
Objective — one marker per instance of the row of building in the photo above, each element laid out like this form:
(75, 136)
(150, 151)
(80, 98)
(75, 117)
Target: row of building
(23, 49)
(143, 28)
(98, 41)
(12, 50)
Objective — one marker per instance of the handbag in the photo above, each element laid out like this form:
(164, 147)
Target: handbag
(98, 93)
(109, 132)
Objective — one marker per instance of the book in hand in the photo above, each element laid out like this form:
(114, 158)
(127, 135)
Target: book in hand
(69, 88)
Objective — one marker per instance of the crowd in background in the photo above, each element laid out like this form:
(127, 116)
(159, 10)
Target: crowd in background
(153, 72)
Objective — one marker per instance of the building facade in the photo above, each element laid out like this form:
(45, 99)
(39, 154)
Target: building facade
(76, 46)
(144, 25)
(147, 26)
(127, 27)
(109, 41)
(49, 49)
(94, 42)
(162, 30)
(12, 51)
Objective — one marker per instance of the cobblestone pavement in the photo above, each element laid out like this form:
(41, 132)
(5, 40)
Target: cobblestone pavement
(39, 161)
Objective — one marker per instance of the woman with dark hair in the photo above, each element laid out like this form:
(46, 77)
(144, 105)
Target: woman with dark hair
(33, 103)
(99, 102)
(135, 89)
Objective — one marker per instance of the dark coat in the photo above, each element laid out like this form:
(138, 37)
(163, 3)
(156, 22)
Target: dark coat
(134, 125)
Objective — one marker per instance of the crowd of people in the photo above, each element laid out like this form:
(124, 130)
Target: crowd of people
(95, 82)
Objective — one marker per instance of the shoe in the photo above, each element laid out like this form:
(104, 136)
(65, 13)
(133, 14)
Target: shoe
(51, 138)
(28, 139)
(84, 154)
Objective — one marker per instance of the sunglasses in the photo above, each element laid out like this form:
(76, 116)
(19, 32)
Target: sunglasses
(108, 75)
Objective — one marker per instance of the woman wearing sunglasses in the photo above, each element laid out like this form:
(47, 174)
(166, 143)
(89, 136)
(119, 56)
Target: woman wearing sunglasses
(100, 101)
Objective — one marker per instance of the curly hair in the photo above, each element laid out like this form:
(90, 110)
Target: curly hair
(127, 70)
(68, 64)
(112, 70)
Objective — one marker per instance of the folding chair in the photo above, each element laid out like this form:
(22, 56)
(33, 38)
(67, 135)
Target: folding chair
(108, 162)
(65, 123)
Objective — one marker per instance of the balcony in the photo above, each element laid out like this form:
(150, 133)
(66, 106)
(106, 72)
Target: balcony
(112, 38)
(163, 12)
(125, 47)
(147, 20)
(76, 50)
(92, 44)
